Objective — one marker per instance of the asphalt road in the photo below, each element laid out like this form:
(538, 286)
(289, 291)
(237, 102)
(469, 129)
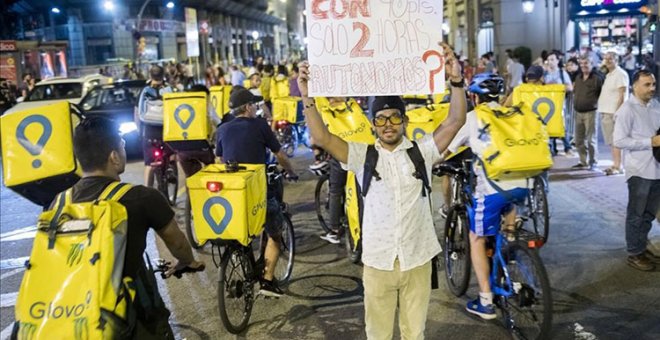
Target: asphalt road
(596, 295)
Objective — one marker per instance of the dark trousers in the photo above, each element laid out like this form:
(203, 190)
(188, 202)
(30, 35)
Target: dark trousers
(643, 205)
(337, 183)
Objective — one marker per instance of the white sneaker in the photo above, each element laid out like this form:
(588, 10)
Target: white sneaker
(330, 237)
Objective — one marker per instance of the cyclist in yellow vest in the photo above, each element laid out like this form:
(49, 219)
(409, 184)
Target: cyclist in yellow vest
(344, 118)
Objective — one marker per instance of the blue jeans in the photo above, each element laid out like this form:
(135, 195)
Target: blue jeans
(643, 205)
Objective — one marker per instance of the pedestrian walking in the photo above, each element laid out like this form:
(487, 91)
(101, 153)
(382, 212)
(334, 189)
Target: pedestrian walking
(612, 96)
(586, 92)
(635, 132)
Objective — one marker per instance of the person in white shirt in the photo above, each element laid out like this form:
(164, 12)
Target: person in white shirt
(612, 95)
(629, 62)
(515, 72)
(490, 203)
(555, 74)
(636, 133)
(398, 237)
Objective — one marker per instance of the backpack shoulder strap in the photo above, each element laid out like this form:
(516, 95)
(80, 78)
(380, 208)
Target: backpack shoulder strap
(115, 191)
(369, 169)
(415, 156)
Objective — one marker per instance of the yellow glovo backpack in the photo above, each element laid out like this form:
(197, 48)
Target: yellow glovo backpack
(517, 142)
(73, 287)
(37, 151)
(424, 120)
(185, 121)
(220, 99)
(547, 101)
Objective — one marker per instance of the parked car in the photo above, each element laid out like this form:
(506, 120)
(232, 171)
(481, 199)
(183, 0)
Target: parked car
(117, 101)
(55, 89)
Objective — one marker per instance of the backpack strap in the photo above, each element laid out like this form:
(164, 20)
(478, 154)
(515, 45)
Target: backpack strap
(114, 191)
(369, 169)
(60, 202)
(415, 156)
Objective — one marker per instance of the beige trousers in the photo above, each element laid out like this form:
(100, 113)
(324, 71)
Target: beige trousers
(384, 291)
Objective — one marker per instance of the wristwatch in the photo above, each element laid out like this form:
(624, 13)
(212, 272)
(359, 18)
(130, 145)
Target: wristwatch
(460, 83)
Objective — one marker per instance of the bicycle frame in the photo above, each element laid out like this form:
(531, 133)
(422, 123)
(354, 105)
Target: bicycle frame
(497, 264)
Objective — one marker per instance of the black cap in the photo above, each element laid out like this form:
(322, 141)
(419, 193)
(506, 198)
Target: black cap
(534, 72)
(240, 97)
(388, 102)
(656, 150)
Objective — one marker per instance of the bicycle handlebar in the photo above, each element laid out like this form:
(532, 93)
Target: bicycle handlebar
(163, 266)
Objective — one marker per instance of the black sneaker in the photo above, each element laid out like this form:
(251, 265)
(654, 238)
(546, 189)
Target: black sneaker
(579, 166)
(270, 288)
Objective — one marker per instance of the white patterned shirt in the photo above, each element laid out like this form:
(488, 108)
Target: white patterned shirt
(397, 221)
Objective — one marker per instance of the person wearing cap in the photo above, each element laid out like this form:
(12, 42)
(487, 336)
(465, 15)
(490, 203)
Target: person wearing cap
(246, 139)
(398, 237)
(635, 132)
(534, 76)
(586, 91)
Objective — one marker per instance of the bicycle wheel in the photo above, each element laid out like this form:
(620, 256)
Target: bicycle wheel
(528, 311)
(235, 289)
(456, 249)
(538, 205)
(284, 266)
(322, 202)
(190, 230)
(353, 253)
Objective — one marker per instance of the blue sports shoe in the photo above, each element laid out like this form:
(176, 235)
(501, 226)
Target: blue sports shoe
(485, 312)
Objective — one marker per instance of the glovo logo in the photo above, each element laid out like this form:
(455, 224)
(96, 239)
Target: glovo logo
(510, 142)
(81, 328)
(217, 227)
(418, 133)
(184, 124)
(258, 207)
(551, 109)
(75, 254)
(38, 147)
(349, 133)
(41, 310)
(26, 331)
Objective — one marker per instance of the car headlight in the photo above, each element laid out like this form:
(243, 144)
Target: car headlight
(127, 127)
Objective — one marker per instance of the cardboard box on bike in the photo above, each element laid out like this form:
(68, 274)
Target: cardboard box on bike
(37, 151)
(237, 211)
(425, 120)
(185, 120)
(286, 108)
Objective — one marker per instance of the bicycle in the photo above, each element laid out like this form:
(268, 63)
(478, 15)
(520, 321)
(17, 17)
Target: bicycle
(535, 208)
(166, 171)
(518, 278)
(240, 271)
(322, 206)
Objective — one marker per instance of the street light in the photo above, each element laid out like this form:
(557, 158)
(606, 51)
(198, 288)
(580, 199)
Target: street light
(109, 5)
(528, 6)
(255, 35)
(170, 4)
(55, 10)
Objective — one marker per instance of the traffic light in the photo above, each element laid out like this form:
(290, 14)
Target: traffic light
(653, 22)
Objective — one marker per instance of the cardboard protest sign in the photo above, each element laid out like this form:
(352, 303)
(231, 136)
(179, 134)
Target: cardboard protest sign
(375, 47)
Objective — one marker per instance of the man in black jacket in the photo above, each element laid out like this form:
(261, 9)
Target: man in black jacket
(586, 91)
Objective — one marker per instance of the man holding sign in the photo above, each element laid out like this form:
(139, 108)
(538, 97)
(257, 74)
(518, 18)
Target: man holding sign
(398, 237)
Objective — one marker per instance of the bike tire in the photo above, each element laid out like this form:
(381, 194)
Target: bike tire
(456, 250)
(190, 230)
(322, 202)
(172, 182)
(284, 266)
(538, 205)
(354, 254)
(532, 301)
(235, 290)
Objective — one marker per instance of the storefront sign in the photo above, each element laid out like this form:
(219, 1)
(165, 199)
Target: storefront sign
(8, 68)
(375, 47)
(157, 25)
(605, 7)
(192, 35)
(7, 45)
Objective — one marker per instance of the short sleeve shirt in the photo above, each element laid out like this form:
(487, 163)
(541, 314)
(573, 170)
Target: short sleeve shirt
(397, 221)
(609, 94)
(146, 209)
(244, 140)
(558, 76)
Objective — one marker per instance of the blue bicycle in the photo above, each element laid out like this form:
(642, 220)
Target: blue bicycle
(518, 277)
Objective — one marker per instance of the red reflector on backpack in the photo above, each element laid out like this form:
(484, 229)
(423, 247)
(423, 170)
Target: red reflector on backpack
(214, 186)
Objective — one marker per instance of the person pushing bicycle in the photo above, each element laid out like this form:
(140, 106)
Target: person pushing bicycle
(245, 139)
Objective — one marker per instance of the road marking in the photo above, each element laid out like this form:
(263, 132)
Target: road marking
(6, 333)
(8, 299)
(18, 262)
(19, 234)
(11, 273)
